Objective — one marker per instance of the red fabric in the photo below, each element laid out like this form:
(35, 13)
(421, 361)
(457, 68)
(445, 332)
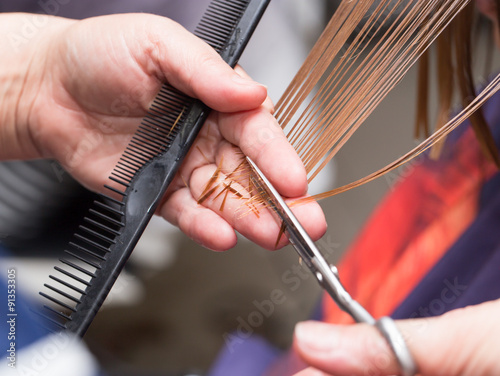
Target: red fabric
(412, 228)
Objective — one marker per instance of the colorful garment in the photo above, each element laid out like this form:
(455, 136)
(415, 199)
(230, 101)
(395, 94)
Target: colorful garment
(427, 212)
(440, 210)
(432, 245)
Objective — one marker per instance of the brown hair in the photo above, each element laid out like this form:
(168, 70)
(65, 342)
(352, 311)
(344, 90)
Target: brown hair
(454, 75)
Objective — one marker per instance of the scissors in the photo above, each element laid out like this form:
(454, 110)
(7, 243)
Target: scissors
(327, 274)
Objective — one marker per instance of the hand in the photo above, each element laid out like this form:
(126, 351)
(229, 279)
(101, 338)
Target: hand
(81, 89)
(461, 342)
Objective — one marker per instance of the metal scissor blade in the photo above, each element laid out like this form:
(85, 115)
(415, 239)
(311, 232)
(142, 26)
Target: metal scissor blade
(296, 233)
(325, 273)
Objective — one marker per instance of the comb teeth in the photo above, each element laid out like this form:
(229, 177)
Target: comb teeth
(219, 20)
(147, 166)
(82, 262)
(157, 131)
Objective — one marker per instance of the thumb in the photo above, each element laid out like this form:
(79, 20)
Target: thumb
(195, 68)
(461, 342)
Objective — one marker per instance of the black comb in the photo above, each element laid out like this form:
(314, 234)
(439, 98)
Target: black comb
(115, 223)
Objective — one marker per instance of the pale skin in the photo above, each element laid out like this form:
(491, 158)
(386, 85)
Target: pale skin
(76, 91)
(462, 342)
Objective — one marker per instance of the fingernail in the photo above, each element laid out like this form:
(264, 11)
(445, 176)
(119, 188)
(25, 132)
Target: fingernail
(315, 336)
(312, 372)
(246, 81)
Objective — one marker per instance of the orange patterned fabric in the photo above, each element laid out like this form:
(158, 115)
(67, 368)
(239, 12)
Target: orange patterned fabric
(412, 228)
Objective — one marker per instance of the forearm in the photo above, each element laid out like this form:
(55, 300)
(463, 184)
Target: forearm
(23, 42)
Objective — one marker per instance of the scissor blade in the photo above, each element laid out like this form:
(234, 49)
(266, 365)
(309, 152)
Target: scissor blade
(296, 233)
(305, 247)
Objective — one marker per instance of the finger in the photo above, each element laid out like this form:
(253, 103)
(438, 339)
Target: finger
(456, 343)
(340, 350)
(268, 103)
(254, 222)
(199, 223)
(194, 67)
(260, 137)
(311, 372)
(311, 217)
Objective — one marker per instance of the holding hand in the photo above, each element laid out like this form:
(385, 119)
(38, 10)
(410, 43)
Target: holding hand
(461, 342)
(78, 90)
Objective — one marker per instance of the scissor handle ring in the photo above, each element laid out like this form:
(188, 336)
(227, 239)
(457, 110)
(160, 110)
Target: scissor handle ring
(393, 336)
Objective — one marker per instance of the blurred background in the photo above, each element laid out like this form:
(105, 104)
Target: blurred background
(171, 308)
